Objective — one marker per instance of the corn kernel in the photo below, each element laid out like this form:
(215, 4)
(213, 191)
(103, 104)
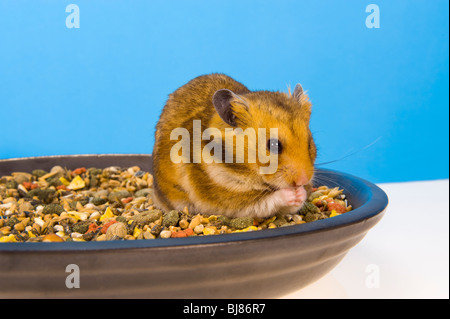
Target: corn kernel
(212, 218)
(211, 230)
(268, 221)
(249, 228)
(77, 183)
(64, 181)
(108, 214)
(8, 239)
(78, 215)
(334, 213)
(136, 232)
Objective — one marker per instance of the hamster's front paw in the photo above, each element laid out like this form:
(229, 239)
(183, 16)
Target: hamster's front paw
(293, 196)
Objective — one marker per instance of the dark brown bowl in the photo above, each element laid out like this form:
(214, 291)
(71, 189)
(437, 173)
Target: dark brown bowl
(260, 264)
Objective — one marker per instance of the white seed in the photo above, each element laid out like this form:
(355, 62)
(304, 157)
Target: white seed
(95, 215)
(58, 228)
(7, 205)
(199, 229)
(22, 188)
(39, 221)
(165, 234)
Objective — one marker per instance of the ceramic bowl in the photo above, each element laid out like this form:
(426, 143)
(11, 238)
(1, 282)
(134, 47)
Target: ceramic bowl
(260, 264)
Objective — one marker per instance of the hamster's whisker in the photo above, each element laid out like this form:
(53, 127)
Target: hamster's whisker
(350, 154)
(325, 180)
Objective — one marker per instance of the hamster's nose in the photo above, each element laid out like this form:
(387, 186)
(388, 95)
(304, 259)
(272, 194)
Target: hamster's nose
(301, 180)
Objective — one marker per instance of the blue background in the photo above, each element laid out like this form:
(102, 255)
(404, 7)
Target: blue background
(101, 88)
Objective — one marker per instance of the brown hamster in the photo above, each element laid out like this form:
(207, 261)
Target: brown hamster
(226, 185)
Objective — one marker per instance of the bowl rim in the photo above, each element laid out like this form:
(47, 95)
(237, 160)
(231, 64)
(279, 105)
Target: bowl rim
(376, 204)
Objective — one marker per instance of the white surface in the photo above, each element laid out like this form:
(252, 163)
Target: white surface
(406, 255)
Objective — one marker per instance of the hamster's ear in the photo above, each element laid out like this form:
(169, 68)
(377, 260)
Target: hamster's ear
(301, 97)
(298, 92)
(223, 101)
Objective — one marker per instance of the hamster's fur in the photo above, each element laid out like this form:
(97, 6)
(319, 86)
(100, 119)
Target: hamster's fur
(234, 189)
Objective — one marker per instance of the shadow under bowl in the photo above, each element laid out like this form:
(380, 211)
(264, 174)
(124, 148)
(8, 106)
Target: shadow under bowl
(260, 264)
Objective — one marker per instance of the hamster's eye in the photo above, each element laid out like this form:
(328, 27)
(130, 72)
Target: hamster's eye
(274, 146)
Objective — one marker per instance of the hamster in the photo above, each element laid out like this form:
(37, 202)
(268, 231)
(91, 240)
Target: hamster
(225, 187)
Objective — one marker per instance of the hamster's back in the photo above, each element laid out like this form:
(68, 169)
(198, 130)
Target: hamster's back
(194, 100)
